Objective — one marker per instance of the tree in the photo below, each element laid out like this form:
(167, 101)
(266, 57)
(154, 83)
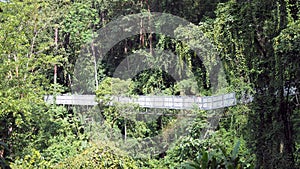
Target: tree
(26, 56)
(245, 34)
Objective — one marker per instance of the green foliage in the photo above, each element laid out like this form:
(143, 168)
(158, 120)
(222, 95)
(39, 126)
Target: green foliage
(258, 43)
(32, 160)
(99, 155)
(56, 136)
(114, 87)
(287, 49)
(187, 87)
(286, 46)
(26, 56)
(3, 162)
(246, 35)
(220, 146)
(211, 159)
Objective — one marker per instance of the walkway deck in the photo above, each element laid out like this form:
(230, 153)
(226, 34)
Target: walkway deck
(163, 102)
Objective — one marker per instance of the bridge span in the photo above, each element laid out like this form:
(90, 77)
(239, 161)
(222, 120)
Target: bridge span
(161, 102)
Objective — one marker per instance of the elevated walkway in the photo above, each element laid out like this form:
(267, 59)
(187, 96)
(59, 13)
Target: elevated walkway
(160, 102)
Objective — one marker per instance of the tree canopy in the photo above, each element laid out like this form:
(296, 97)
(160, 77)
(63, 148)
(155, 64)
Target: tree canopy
(255, 43)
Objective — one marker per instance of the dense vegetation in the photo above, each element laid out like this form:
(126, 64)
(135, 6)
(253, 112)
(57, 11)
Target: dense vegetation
(258, 42)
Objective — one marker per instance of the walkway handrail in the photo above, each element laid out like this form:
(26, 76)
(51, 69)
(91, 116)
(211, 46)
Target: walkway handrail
(164, 102)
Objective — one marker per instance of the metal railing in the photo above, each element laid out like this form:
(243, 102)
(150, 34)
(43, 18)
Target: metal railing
(164, 102)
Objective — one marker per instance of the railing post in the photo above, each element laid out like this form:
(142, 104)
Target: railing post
(172, 102)
(223, 105)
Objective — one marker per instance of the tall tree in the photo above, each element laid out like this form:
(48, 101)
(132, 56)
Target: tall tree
(26, 57)
(245, 34)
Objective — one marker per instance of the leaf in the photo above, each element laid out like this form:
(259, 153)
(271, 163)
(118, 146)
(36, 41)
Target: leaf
(204, 160)
(191, 165)
(235, 150)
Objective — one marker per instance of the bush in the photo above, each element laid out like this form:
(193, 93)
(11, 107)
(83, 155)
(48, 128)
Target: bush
(99, 155)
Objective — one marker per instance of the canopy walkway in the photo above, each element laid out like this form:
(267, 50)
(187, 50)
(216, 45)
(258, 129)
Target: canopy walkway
(160, 102)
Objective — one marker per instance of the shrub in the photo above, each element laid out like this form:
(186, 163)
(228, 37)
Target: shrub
(99, 155)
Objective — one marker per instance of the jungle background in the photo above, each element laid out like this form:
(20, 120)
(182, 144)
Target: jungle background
(259, 46)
